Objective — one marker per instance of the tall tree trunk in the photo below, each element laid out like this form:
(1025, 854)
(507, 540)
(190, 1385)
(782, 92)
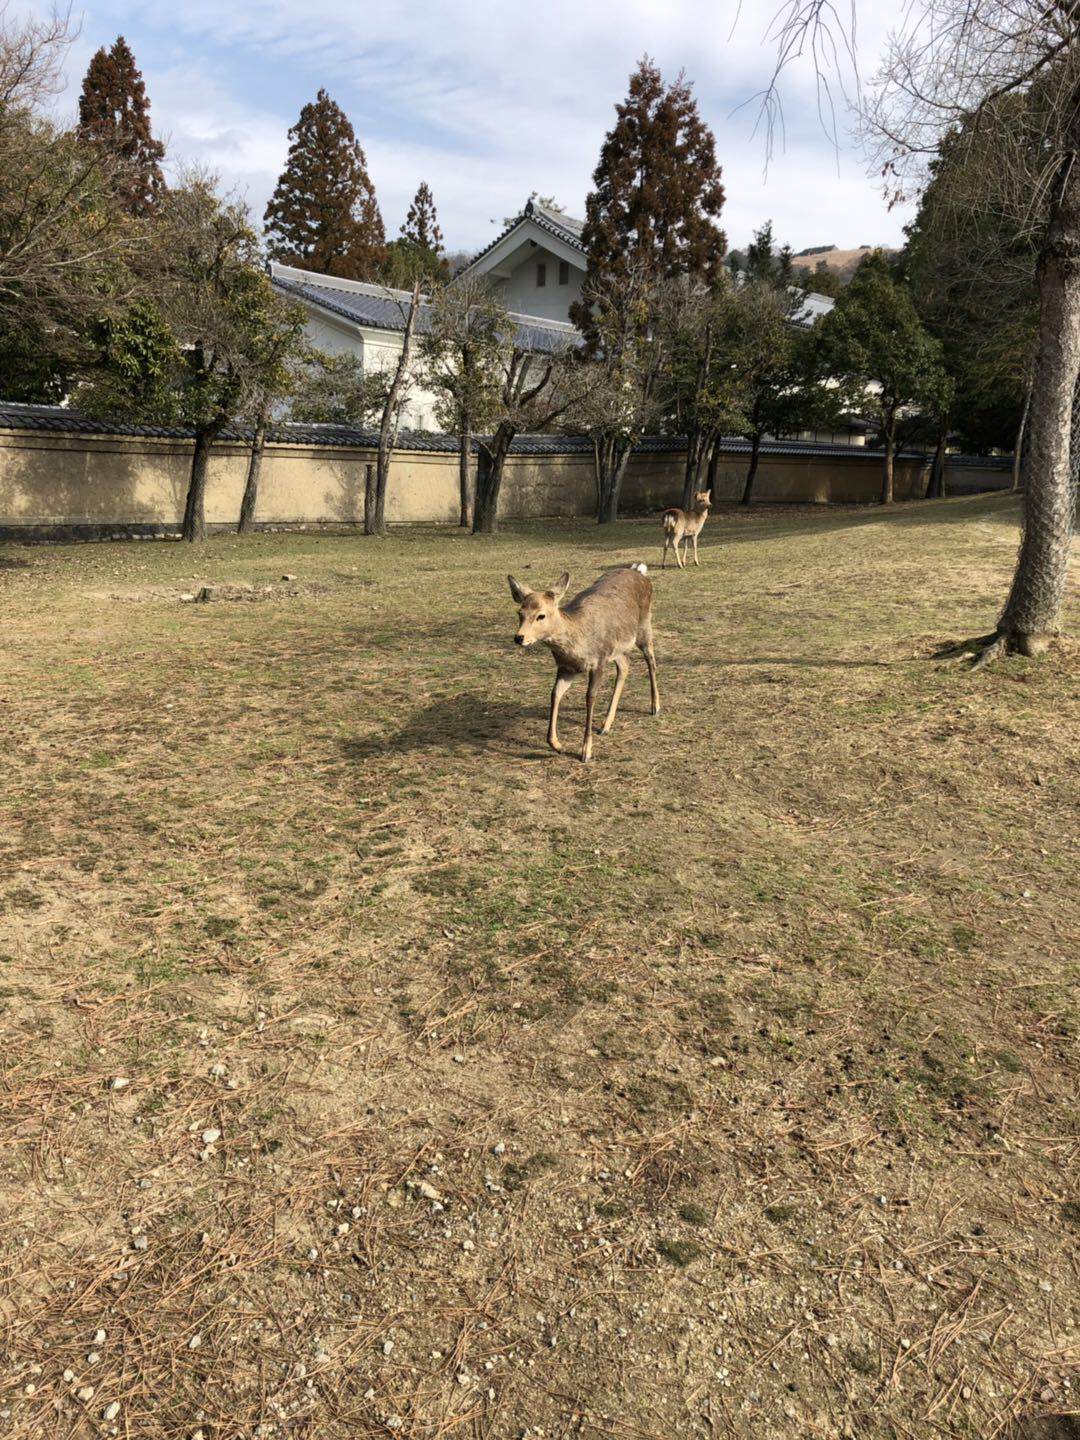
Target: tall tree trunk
(696, 445)
(375, 512)
(251, 485)
(1032, 613)
(935, 489)
(464, 476)
(887, 487)
(491, 461)
(610, 472)
(194, 527)
(1018, 444)
(751, 474)
(369, 494)
(714, 464)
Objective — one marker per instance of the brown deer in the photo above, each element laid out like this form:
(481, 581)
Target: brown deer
(682, 526)
(603, 623)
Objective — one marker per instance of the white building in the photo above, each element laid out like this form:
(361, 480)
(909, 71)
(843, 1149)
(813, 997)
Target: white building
(369, 321)
(537, 266)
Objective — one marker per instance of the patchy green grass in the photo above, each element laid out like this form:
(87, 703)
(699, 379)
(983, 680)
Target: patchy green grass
(724, 1087)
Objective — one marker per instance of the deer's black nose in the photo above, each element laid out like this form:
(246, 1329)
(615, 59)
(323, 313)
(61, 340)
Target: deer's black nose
(519, 639)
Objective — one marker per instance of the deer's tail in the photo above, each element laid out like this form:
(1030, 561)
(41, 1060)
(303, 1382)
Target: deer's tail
(671, 519)
(640, 567)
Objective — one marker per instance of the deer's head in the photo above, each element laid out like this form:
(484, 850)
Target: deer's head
(538, 610)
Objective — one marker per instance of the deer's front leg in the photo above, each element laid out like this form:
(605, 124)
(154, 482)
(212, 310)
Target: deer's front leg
(562, 684)
(590, 704)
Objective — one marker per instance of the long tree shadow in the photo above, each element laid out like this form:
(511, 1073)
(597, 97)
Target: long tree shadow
(806, 661)
(456, 723)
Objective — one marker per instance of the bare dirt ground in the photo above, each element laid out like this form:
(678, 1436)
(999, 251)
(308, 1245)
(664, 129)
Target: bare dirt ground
(368, 1070)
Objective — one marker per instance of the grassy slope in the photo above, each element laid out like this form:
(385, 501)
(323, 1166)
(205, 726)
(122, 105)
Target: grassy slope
(773, 1007)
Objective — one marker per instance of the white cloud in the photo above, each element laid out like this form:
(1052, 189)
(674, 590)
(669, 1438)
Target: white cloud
(487, 101)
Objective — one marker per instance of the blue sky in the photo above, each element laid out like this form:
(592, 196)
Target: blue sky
(486, 101)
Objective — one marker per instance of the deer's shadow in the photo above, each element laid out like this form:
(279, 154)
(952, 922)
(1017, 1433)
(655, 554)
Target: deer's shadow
(453, 724)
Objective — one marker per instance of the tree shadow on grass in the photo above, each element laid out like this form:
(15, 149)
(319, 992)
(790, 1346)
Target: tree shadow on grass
(13, 562)
(454, 724)
(807, 661)
(1046, 1427)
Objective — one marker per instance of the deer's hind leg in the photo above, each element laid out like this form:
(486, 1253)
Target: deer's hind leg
(696, 561)
(590, 705)
(622, 666)
(645, 645)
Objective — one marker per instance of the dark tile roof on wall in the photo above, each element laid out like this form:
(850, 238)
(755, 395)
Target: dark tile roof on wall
(389, 311)
(58, 419)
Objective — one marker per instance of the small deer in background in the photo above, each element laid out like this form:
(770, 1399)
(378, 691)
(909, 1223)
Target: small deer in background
(600, 625)
(682, 526)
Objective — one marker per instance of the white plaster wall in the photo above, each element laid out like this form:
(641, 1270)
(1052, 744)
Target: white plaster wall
(378, 349)
(552, 301)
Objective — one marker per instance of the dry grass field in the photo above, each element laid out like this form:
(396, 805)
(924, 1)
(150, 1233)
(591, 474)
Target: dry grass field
(368, 1070)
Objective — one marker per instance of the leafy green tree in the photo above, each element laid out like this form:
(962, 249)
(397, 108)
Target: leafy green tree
(421, 224)
(134, 370)
(224, 316)
(33, 371)
(114, 113)
(277, 342)
(656, 189)
(323, 214)
(874, 342)
(407, 262)
(779, 386)
(823, 281)
(972, 275)
(619, 394)
(760, 260)
(700, 391)
(461, 350)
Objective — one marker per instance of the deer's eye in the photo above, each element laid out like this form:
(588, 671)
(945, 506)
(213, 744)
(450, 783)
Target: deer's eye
(541, 617)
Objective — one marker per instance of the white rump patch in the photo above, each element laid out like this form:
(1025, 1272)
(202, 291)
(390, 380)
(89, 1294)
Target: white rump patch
(640, 567)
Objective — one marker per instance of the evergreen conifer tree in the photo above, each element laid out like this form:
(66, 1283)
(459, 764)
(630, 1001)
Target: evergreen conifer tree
(323, 214)
(115, 113)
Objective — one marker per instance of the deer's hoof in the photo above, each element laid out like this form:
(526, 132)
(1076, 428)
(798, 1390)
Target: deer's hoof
(554, 744)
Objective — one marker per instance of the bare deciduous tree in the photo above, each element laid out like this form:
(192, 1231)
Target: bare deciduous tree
(397, 393)
(534, 392)
(1009, 69)
(63, 236)
(461, 349)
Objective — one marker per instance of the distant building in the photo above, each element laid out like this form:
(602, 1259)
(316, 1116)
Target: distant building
(537, 267)
(537, 264)
(351, 316)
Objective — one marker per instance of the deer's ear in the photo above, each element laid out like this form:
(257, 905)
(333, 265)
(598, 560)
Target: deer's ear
(519, 592)
(561, 585)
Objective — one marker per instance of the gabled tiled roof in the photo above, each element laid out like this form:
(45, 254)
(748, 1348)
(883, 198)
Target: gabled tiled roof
(563, 227)
(388, 310)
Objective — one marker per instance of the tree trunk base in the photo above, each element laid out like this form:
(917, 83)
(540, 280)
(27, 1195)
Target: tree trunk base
(983, 650)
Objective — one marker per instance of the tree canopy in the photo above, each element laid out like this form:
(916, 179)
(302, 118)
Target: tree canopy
(656, 189)
(114, 113)
(323, 214)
